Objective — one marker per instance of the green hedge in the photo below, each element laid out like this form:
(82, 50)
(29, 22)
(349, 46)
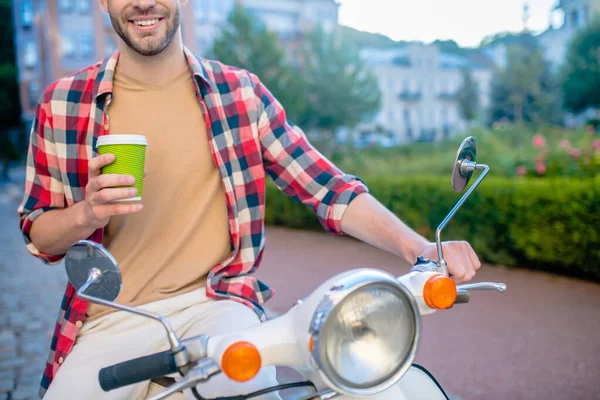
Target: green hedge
(549, 224)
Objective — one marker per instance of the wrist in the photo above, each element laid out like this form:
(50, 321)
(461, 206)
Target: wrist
(82, 222)
(416, 249)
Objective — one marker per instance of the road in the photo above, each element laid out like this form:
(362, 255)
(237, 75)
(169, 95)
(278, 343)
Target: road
(539, 340)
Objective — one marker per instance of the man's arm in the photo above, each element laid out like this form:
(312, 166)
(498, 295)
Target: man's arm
(367, 220)
(297, 168)
(48, 226)
(56, 230)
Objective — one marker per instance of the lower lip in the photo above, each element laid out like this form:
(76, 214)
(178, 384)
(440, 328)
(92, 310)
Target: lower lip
(145, 28)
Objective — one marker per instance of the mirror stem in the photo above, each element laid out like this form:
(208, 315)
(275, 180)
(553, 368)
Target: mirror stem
(95, 274)
(442, 265)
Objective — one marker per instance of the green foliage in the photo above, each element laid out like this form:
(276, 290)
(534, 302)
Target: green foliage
(368, 39)
(526, 90)
(468, 96)
(326, 88)
(581, 76)
(10, 109)
(341, 91)
(246, 43)
(510, 150)
(523, 39)
(7, 54)
(546, 224)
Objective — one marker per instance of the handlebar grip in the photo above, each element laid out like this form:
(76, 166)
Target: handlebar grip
(137, 370)
(462, 296)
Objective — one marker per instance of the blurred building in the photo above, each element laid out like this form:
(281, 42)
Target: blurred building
(576, 14)
(419, 84)
(291, 19)
(54, 38)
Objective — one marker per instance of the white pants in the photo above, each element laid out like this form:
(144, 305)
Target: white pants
(122, 336)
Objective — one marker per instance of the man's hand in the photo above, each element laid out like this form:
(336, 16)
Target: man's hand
(462, 261)
(101, 193)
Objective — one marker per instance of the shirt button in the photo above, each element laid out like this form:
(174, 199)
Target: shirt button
(79, 324)
(61, 360)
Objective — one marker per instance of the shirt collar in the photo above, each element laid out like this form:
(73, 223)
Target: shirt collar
(103, 83)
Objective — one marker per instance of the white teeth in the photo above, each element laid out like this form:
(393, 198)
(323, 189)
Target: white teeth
(147, 22)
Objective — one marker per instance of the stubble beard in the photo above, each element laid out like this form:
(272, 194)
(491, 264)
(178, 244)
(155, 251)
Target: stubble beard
(147, 46)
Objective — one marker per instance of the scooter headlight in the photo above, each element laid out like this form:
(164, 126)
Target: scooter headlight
(365, 333)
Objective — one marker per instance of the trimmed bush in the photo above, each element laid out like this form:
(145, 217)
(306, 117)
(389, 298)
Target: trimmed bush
(550, 224)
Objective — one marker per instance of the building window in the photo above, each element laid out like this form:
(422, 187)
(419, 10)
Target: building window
(84, 6)
(34, 93)
(86, 46)
(67, 47)
(65, 5)
(26, 13)
(30, 56)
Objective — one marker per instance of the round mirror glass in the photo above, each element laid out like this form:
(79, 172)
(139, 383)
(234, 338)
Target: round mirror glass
(460, 175)
(82, 258)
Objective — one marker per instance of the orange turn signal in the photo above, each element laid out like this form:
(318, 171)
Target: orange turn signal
(439, 292)
(241, 361)
(311, 344)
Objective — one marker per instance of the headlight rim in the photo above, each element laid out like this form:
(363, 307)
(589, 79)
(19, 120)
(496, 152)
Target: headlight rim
(332, 299)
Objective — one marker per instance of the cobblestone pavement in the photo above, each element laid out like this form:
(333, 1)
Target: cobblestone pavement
(30, 295)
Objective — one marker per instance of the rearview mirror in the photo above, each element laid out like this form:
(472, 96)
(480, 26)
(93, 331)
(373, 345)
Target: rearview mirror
(460, 173)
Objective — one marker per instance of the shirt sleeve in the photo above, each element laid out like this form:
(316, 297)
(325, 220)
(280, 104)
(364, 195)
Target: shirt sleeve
(44, 189)
(298, 169)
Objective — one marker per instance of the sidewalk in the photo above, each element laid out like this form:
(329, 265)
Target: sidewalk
(30, 295)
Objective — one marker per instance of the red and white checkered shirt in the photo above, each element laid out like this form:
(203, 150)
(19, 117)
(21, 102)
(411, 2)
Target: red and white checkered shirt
(250, 138)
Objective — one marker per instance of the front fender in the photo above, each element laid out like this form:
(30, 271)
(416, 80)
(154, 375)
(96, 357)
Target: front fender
(416, 384)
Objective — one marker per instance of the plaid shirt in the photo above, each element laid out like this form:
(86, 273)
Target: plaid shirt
(250, 137)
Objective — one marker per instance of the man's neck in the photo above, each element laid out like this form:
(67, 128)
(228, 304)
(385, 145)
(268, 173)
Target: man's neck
(154, 69)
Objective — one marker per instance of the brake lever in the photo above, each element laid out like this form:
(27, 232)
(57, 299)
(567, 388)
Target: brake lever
(500, 287)
(200, 373)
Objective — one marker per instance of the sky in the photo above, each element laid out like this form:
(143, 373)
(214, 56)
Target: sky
(465, 21)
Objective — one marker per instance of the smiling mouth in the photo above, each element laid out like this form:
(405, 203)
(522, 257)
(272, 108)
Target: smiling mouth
(146, 24)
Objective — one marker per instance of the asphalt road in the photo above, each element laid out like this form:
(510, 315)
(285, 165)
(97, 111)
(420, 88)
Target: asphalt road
(539, 340)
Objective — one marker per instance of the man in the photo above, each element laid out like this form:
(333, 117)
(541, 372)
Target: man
(187, 252)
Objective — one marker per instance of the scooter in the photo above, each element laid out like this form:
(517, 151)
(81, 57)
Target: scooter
(355, 337)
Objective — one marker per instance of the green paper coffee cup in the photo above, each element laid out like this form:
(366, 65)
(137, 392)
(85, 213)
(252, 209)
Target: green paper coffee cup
(130, 158)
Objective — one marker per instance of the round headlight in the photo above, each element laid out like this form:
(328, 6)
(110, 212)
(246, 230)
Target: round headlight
(367, 334)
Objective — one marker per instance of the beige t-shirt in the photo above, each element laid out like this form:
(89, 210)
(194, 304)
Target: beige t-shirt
(183, 231)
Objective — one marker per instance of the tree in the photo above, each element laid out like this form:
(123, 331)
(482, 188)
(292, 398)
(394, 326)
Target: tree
(7, 54)
(526, 90)
(341, 90)
(10, 107)
(246, 43)
(468, 96)
(581, 75)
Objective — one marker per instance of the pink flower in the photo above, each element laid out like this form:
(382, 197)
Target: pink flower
(575, 153)
(565, 144)
(596, 145)
(539, 141)
(521, 170)
(540, 168)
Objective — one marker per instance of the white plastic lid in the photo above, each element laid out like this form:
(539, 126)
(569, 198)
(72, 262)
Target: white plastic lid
(122, 139)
